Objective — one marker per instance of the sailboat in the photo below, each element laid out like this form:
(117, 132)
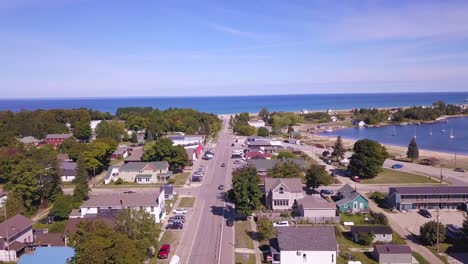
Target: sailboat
(451, 133)
(414, 132)
(394, 132)
(430, 131)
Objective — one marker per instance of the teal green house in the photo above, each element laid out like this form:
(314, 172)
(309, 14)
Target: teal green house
(351, 200)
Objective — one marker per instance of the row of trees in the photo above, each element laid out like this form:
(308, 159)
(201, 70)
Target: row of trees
(438, 109)
(371, 116)
(163, 150)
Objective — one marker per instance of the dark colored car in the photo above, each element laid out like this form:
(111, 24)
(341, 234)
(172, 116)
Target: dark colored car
(397, 166)
(230, 222)
(425, 213)
(326, 192)
(221, 187)
(223, 165)
(164, 251)
(459, 169)
(176, 225)
(232, 145)
(180, 218)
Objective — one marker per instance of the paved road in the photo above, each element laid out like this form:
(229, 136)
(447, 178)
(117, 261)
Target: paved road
(206, 238)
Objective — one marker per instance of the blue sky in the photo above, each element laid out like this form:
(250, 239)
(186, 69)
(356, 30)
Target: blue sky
(87, 48)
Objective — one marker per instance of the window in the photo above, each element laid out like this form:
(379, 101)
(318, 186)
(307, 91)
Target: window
(333, 258)
(152, 208)
(281, 202)
(281, 190)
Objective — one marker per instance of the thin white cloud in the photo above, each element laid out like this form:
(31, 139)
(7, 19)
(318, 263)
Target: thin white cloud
(234, 31)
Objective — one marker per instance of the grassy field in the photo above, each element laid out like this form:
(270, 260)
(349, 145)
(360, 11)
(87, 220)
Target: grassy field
(345, 244)
(249, 258)
(396, 177)
(187, 202)
(243, 239)
(180, 178)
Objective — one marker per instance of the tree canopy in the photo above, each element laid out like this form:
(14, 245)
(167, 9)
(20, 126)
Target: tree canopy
(286, 169)
(338, 149)
(263, 132)
(246, 192)
(413, 151)
(162, 149)
(428, 233)
(368, 158)
(82, 189)
(316, 175)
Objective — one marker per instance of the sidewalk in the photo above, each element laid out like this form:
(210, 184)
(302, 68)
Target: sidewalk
(258, 254)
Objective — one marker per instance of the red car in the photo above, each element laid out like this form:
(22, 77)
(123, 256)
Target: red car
(356, 179)
(164, 251)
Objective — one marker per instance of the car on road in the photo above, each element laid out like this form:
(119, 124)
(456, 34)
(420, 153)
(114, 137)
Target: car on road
(326, 192)
(281, 223)
(197, 178)
(164, 251)
(356, 178)
(397, 166)
(459, 170)
(180, 211)
(176, 225)
(223, 164)
(180, 218)
(229, 222)
(221, 187)
(425, 213)
(232, 145)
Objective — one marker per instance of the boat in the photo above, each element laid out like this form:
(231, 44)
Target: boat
(394, 132)
(443, 130)
(430, 131)
(329, 130)
(414, 132)
(451, 133)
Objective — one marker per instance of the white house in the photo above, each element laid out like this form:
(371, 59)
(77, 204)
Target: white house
(68, 171)
(112, 203)
(316, 209)
(361, 123)
(257, 123)
(185, 140)
(140, 172)
(93, 124)
(304, 244)
(334, 118)
(282, 193)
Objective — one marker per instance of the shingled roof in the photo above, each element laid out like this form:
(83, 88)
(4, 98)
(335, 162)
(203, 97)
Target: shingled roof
(312, 202)
(392, 249)
(310, 238)
(139, 166)
(376, 229)
(14, 225)
(292, 184)
(430, 190)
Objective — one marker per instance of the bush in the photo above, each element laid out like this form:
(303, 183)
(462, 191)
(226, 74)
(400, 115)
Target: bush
(378, 218)
(326, 153)
(171, 181)
(265, 229)
(378, 197)
(119, 181)
(366, 238)
(62, 207)
(428, 233)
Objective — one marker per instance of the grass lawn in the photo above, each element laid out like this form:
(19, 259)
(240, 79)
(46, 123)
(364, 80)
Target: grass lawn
(397, 239)
(169, 237)
(420, 258)
(245, 258)
(243, 239)
(346, 242)
(357, 219)
(180, 178)
(55, 227)
(187, 202)
(396, 176)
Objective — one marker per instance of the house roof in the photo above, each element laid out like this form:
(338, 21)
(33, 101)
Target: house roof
(29, 140)
(392, 249)
(168, 188)
(63, 157)
(16, 246)
(313, 202)
(120, 151)
(260, 142)
(264, 164)
(59, 136)
(349, 195)
(253, 154)
(310, 238)
(72, 223)
(135, 154)
(139, 166)
(430, 190)
(52, 239)
(14, 225)
(122, 200)
(376, 229)
(292, 184)
(68, 165)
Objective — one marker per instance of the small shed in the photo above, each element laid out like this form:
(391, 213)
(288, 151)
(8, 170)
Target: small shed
(390, 253)
(430, 161)
(381, 233)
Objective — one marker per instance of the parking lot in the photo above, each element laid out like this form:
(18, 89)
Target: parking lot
(412, 221)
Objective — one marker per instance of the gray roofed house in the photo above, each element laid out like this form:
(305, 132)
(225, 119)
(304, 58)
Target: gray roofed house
(68, 171)
(16, 230)
(265, 165)
(305, 244)
(120, 153)
(140, 172)
(351, 200)
(260, 143)
(282, 193)
(316, 209)
(168, 191)
(139, 166)
(381, 233)
(390, 253)
(30, 140)
(59, 136)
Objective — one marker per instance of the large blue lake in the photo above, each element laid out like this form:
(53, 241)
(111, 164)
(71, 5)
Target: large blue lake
(237, 104)
(398, 135)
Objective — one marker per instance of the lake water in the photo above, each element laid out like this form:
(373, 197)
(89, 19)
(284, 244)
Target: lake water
(401, 135)
(237, 104)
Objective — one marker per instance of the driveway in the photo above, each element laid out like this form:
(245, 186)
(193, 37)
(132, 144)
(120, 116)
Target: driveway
(412, 221)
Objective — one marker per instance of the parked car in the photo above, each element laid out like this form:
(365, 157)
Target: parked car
(197, 178)
(281, 223)
(221, 187)
(425, 213)
(326, 192)
(223, 164)
(232, 145)
(180, 211)
(229, 222)
(397, 166)
(180, 218)
(176, 225)
(454, 231)
(356, 178)
(164, 251)
(459, 169)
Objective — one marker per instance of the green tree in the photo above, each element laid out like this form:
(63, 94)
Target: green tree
(263, 132)
(112, 129)
(14, 204)
(286, 169)
(134, 138)
(25, 182)
(428, 233)
(140, 226)
(338, 150)
(63, 205)
(316, 176)
(246, 193)
(81, 190)
(264, 114)
(265, 228)
(82, 131)
(282, 155)
(244, 130)
(149, 136)
(162, 149)
(413, 151)
(366, 238)
(368, 158)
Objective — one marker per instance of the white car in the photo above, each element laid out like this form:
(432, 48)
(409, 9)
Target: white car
(281, 223)
(180, 211)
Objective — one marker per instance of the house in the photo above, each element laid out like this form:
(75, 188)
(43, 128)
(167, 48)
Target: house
(257, 123)
(389, 253)
(263, 165)
(316, 209)
(29, 141)
(430, 161)
(3, 197)
(56, 140)
(428, 197)
(185, 140)
(344, 162)
(140, 172)
(49, 255)
(381, 233)
(282, 193)
(259, 143)
(351, 200)
(63, 157)
(168, 191)
(304, 244)
(330, 112)
(193, 153)
(68, 171)
(93, 125)
(334, 118)
(120, 153)
(111, 204)
(46, 239)
(134, 154)
(258, 155)
(15, 233)
(359, 123)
